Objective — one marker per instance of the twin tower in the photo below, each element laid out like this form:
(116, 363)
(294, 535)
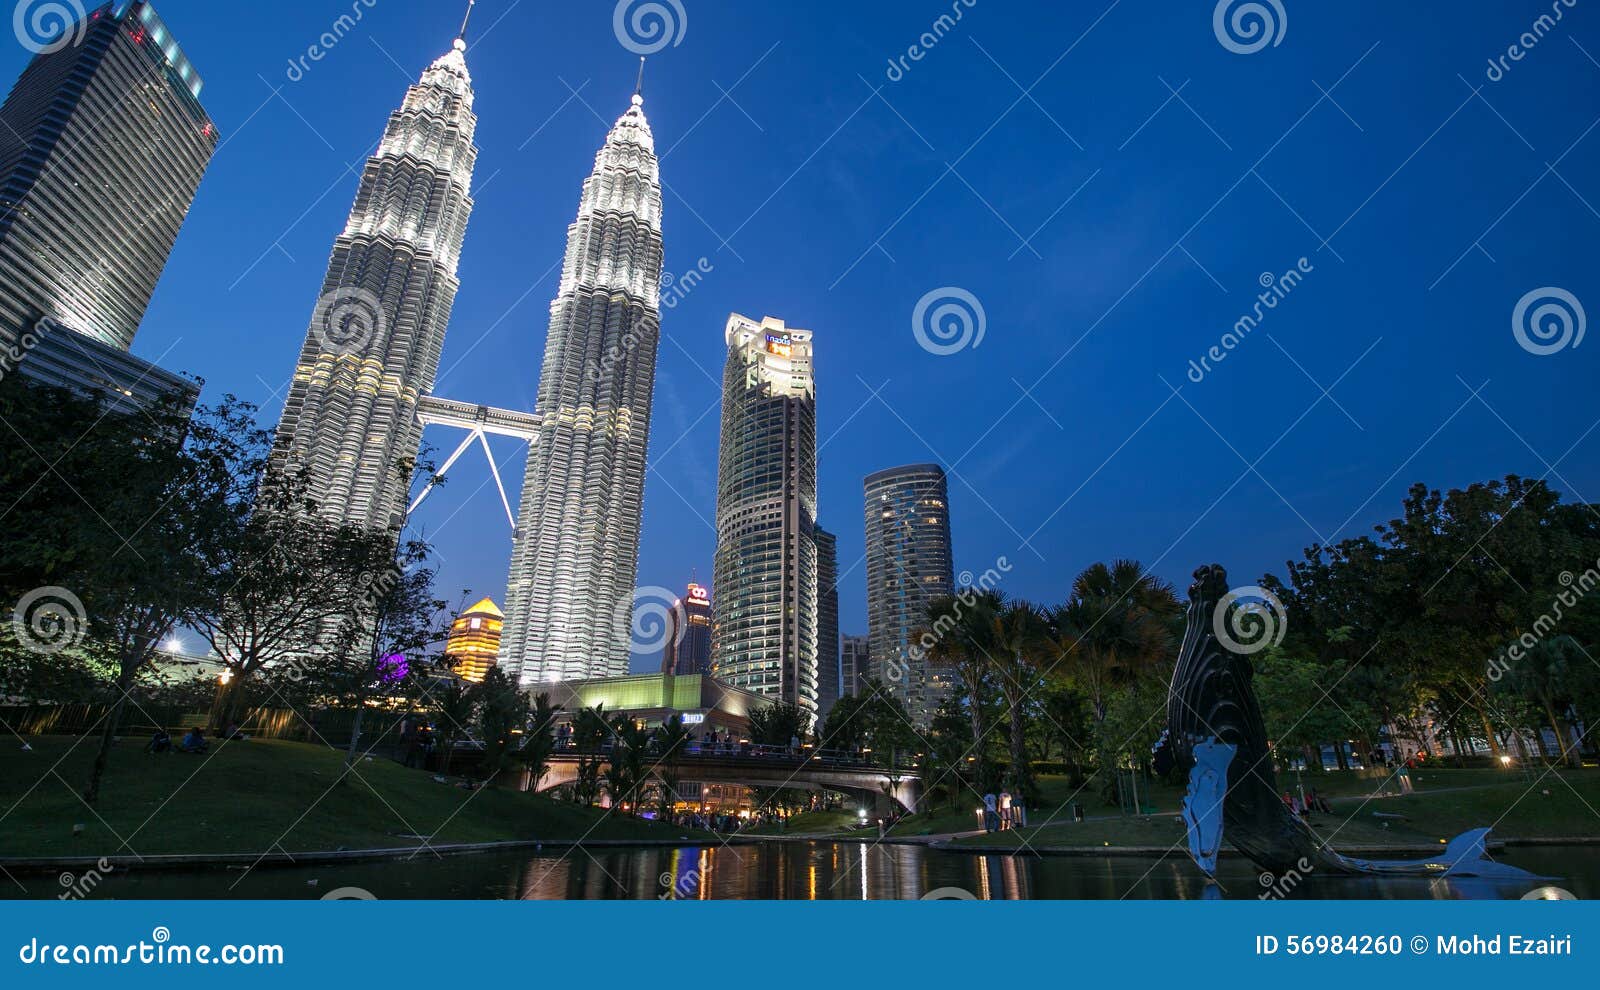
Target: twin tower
(351, 428)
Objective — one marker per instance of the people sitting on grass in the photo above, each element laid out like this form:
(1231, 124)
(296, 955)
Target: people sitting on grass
(194, 741)
(159, 743)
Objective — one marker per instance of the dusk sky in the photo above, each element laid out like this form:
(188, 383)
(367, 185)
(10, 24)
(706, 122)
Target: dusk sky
(1110, 182)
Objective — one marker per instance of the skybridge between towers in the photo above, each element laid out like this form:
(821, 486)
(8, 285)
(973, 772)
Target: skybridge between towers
(479, 422)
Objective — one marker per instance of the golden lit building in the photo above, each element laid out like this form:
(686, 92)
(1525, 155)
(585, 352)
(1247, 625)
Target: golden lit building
(475, 640)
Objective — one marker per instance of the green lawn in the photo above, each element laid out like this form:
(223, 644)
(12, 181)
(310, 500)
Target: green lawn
(247, 797)
(1446, 803)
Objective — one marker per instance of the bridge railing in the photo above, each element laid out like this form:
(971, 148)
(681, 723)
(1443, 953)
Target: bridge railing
(705, 750)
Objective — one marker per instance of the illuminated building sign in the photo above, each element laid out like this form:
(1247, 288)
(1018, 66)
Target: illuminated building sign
(780, 346)
(694, 718)
(699, 594)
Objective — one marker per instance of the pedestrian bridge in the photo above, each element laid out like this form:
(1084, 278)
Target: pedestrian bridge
(806, 771)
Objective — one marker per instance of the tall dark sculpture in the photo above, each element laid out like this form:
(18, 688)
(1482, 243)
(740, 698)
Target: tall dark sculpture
(1215, 732)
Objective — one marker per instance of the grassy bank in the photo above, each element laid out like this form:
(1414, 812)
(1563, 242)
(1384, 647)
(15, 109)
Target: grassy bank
(260, 795)
(1445, 804)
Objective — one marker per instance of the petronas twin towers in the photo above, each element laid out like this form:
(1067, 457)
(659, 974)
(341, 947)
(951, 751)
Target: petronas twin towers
(570, 600)
(350, 426)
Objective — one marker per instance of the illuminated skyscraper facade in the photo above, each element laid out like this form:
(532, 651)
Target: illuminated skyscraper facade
(764, 635)
(909, 564)
(689, 636)
(576, 550)
(349, 424)
(103, 143)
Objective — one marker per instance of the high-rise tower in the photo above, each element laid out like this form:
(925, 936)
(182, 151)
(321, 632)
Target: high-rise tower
(764, 632)
(827, 620)
(689, 634)
(103, 143)
(909, 564)
(372, 351)
(576, 551)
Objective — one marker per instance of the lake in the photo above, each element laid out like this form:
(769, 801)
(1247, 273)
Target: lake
(800, 871)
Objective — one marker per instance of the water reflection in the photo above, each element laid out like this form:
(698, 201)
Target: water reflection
(815, 871)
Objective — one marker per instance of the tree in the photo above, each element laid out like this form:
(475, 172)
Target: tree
(777, 724)
(456, 703)
(276, 579)
(540, 741)
(1117, 625)
(1541, 675)
(503, 711)
(671, 742)
(589, 731)
(953, 637)
(1017, 636)
(630, 761)
(390, 635)
(114, 512)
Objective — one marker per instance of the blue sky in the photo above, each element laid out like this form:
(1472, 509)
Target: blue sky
(1111, 231)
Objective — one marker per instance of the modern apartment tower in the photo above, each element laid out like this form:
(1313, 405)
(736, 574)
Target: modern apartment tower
(349, 424)
(689, 636)
(909, 564)
(575, 554)
(103, 143)
(764, 634)
(827, 620)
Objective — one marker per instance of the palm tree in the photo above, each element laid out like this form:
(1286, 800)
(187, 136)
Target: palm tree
(1017, 634)
(954, 628)
(457, 706)
(630, 758)
(671, 741)
(540, 742)
(1119, 623)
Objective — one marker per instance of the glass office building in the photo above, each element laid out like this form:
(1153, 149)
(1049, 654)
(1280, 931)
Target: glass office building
(764, 630)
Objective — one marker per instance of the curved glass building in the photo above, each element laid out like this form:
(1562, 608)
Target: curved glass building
(909, 564)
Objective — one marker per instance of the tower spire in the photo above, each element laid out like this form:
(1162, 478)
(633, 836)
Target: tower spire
(638, 88)
(466, 20)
